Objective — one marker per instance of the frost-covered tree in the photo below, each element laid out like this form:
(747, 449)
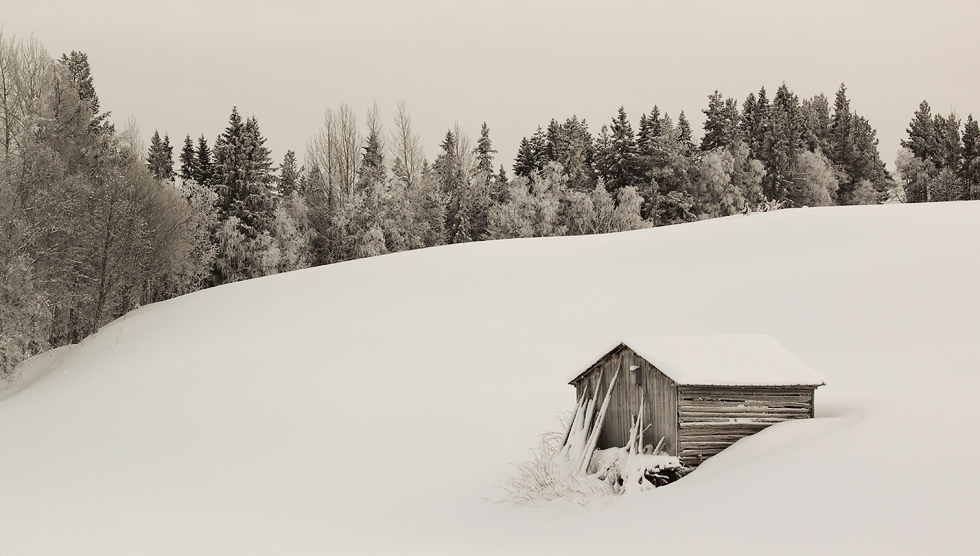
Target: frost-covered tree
(714, 191)
(815, 182)
(484, 152)
(532, 207)
(465, 205)
(406, 148)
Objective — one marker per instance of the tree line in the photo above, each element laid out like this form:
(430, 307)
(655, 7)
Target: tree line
(86, 232)
(940, 161)
(95, 224)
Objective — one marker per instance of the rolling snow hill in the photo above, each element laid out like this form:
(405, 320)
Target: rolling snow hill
(373, 407)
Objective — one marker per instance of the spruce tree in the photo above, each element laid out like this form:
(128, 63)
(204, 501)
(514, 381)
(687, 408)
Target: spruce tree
(867, 164)
(950, 146)
(189, 169)
(685, 135)
(554, 142)
(650, 129)
(970, 169)
(843, 151)
(502, 176)
(756, 125)
(851, 146)
(160, 157)
(484, 152)
(449, 173)
(817, 124)
(153, 153)
(576, 153)
(258, 156)
(621, 156)
(243, 174)
(787, 144)
(530, 154)
(288, 174)
(372, 172)
(720, 123)
(81, 77)
(205, 169)
(922, 134)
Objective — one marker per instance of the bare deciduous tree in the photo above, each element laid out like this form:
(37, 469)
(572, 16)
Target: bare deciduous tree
(406, 148)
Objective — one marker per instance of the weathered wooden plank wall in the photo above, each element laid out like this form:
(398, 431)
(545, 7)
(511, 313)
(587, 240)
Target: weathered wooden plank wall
(613, 433)
(658, 392)
(660, 409)
(711, 418)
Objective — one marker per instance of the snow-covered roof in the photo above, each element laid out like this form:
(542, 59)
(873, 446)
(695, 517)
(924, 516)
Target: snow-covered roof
(740, 360)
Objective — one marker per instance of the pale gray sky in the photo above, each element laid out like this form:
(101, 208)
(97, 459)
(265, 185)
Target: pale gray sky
(180, 66)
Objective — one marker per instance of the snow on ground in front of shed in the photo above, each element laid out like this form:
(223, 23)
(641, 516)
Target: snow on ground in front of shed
(731, 360)
(371, 407)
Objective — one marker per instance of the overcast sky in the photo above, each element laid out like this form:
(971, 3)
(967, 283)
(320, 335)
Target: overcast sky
(179, 67)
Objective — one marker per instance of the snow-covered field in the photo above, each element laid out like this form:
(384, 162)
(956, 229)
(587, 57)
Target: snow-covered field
(372, 407)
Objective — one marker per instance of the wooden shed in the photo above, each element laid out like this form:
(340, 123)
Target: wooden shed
(700, 393)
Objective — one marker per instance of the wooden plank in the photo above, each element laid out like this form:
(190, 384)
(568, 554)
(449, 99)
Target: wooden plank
(686, 392)
(695, 411)
(724, 418)
(794, 403)
(713, 390)
(702, 447)
(756, 399)
(743, 428)
(708, 445)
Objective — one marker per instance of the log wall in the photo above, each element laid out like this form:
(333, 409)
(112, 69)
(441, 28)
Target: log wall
(711, 418)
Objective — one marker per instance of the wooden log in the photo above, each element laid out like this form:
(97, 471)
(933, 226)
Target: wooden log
(743, 407)
(702, 433)
(742, 419)
(719, 424)
(709, 415)
(709, 431)
(715, 443)
(745, 401)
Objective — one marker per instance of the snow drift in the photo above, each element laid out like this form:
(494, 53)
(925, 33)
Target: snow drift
(372, 406)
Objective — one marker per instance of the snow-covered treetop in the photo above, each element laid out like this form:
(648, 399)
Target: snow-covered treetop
(738, 360)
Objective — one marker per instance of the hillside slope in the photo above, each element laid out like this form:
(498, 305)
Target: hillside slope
(373, 406)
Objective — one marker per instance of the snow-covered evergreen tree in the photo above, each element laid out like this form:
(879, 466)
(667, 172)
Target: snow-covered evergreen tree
(243, 175)
(205, 169)
(189, 169)
(160, 157)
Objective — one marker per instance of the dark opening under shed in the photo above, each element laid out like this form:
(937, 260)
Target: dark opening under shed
(700, 393)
